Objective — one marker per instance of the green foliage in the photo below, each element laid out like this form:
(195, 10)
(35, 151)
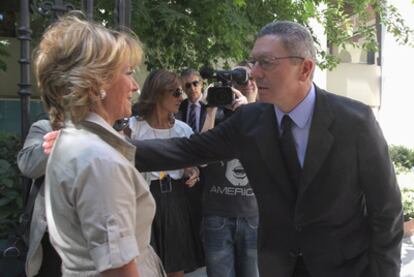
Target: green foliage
(10, 192)
(182, 33)
(192, 33)
(408, 203)
(402, 158)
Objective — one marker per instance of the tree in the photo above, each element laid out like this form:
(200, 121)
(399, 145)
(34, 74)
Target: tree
(181, 33)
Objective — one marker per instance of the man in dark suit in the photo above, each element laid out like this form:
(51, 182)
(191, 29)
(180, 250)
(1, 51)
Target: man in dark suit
(338, 212)
(192, 110)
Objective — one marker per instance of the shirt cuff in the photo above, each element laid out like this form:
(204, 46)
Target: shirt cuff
(115, 253)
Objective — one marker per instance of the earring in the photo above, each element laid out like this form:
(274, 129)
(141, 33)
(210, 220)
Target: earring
(102, 94)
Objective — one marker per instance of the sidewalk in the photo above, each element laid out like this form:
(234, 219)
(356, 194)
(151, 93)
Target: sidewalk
(407, 257)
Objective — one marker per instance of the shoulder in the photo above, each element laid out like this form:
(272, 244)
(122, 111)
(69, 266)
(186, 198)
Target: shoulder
(252, 112)
(182, 129)
(345, 115)
(344, 107)
(139, 128)
(183, 105)
(81, 144)
(133, 122)
(43, 125)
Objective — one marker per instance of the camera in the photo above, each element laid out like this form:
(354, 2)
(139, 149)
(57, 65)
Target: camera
(221, 94)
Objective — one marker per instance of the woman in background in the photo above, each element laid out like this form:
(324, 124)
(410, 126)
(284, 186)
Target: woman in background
(173, 237)
(98, 206)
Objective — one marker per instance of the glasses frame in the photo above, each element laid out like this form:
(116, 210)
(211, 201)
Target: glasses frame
(195, 83)
(177, 93)
(268, 62)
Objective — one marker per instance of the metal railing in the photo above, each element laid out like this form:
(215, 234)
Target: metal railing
(54, 9)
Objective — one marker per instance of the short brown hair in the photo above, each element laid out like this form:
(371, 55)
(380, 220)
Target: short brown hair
(157, 83)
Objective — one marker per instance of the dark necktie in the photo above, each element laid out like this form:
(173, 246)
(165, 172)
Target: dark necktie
(192, 118)
(288, 148)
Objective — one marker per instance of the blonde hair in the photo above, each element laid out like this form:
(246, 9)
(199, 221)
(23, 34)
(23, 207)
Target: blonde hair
(75, 60)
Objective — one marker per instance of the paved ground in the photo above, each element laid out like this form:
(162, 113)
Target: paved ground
(407, 257)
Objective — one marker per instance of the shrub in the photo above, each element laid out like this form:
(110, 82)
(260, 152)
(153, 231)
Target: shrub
(408, 203)
(11, 200)
(402, 158)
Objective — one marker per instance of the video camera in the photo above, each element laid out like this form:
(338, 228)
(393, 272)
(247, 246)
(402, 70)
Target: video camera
(221, 94)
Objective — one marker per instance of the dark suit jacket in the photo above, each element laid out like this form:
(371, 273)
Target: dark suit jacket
(182, 113)
(346, 220)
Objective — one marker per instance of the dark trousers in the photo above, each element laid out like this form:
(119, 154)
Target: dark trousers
(51, 262)
(300, 268)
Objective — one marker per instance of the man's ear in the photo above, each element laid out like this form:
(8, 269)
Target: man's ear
(307, 69)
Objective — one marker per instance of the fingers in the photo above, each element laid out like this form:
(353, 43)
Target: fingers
(46, 148)
(193, 176)
(236, 92)
(192, 181)
(51, 135)
(242, 100)
(239, 99)
(48, 141)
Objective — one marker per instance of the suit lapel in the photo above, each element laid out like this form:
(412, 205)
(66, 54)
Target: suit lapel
(202, 116)
(267, 138)
(320, 139)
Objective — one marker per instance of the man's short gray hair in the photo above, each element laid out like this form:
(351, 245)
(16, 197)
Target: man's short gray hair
(189, 72)
(295, 38)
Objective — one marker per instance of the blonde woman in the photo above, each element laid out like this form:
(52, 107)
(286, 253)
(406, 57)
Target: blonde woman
(174, 238)
(99, 208)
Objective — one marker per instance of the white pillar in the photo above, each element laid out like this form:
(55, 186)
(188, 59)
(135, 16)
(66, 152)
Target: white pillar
(396, 114)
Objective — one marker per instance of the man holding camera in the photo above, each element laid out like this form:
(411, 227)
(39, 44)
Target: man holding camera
(230, 214)
(193, 112)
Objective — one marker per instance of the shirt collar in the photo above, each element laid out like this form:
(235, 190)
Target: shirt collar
(197, 102)
(302, 113)
(96, 124)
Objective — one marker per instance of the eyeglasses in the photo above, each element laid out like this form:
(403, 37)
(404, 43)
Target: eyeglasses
(177, 93)
(193, 83)
(269, 62)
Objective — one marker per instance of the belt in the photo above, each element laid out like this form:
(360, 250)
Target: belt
(167, 185)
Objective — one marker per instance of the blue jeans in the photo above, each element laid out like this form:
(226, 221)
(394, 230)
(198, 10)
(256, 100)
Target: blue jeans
(230, 246)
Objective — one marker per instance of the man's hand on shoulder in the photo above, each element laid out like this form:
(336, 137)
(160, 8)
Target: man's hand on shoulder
(49, 140)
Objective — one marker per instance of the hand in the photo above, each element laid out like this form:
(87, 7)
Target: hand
(49, 140)
(239, 100)
(193, 174)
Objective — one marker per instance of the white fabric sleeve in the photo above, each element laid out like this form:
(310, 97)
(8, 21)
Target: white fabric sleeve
(106, 205)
